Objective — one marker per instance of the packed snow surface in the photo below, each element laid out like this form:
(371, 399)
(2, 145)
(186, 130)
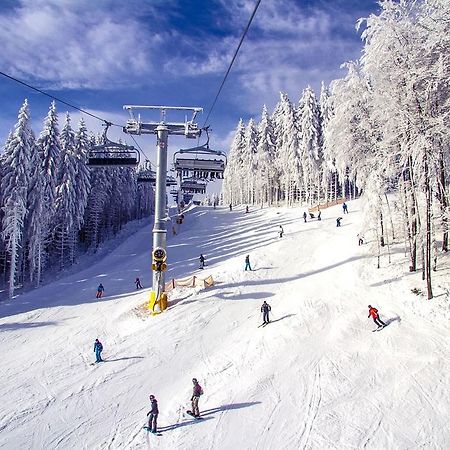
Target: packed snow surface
(316, 377)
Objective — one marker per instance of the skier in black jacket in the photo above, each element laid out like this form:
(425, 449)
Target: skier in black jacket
(153, 414)
(265, 308)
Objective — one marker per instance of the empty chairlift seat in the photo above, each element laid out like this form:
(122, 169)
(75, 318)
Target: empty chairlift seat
(193, 187)
(112, 154)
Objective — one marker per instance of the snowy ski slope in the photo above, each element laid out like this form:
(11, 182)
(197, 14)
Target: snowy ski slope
(314, 378)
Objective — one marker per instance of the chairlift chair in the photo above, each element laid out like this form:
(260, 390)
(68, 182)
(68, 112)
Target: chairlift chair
(210, 165)
(193, 186)
(112, 154)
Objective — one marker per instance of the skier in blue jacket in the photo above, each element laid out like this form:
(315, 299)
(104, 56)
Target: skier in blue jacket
(98, 348)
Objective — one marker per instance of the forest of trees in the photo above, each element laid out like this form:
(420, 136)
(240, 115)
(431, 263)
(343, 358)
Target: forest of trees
(383, 129)
(53, 206)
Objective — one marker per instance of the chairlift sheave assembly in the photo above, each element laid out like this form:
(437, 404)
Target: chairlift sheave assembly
(112, 154)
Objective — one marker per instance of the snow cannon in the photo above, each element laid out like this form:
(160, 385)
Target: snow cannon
(159, 265)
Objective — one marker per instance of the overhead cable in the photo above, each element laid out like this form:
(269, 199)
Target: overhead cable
(232, 60)
(56, 98)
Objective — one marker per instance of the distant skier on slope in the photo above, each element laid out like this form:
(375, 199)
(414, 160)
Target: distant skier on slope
(247, 263)
(246, 209)
(98, 348)
(138, 284)
(373, 312)
(100, 291)
(305, 216)
(345, 208)
(153, 414)
(265, 308)
(338, 221)
(202, 261)
(319, 215)
(231, 207)
(197, 391)
(281, 231)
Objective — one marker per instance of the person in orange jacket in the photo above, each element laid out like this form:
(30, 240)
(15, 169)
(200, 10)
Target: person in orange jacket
(373, 312)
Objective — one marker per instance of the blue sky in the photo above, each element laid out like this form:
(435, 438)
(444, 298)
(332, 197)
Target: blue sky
(103, 54)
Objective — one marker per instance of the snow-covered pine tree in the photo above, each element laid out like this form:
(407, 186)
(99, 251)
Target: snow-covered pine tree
(288, 158)
(43, 194)
(95, 213)
(14, 187)
(83, 176)
(66, 201)
(3, 254)
(250, 162)
(267, 174)
(330, 177)
(232, 187)
(310, 136)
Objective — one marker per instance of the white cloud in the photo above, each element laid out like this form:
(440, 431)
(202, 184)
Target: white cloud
(74, 44)
(287, 47)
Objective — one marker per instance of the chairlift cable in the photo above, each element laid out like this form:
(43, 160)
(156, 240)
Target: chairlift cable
(57, 99)
(142, 151)
(232, 60)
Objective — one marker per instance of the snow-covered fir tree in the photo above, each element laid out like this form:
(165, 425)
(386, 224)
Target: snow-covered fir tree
(268, 175)
(310, 137)
(66, 201)
(43, 194)
(14, 187)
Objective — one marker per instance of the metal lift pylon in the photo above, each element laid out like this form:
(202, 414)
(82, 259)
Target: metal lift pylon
(162, 129)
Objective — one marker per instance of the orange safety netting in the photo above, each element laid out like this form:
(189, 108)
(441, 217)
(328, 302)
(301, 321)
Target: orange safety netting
(190, 282)
(326, 205)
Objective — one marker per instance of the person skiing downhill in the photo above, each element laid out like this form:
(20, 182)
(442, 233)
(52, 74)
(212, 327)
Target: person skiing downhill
(265, 308)
(138, 284)
(318, 215)
(196, 392)
(305, 216)
(344, 208)
(376, 318)
(100, 291)
(153, 414)
(202, 261)
(98, 348)
(247, 263)
(281, 231)
(338, 221)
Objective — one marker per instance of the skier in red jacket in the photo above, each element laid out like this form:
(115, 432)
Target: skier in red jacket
(376, 318)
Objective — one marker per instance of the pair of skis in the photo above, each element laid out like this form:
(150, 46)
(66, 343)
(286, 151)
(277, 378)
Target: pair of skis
(379, 328)
(263, 324)
(151, 432)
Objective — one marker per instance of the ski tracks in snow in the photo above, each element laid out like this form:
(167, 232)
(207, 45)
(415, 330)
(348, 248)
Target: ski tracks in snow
(314, 394)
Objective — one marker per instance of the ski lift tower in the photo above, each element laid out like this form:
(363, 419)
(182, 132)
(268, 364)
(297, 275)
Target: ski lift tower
(162, 129)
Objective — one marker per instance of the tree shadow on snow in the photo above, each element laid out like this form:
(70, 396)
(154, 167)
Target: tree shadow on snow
(19, 326)
(295, 277)
(249, 296)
